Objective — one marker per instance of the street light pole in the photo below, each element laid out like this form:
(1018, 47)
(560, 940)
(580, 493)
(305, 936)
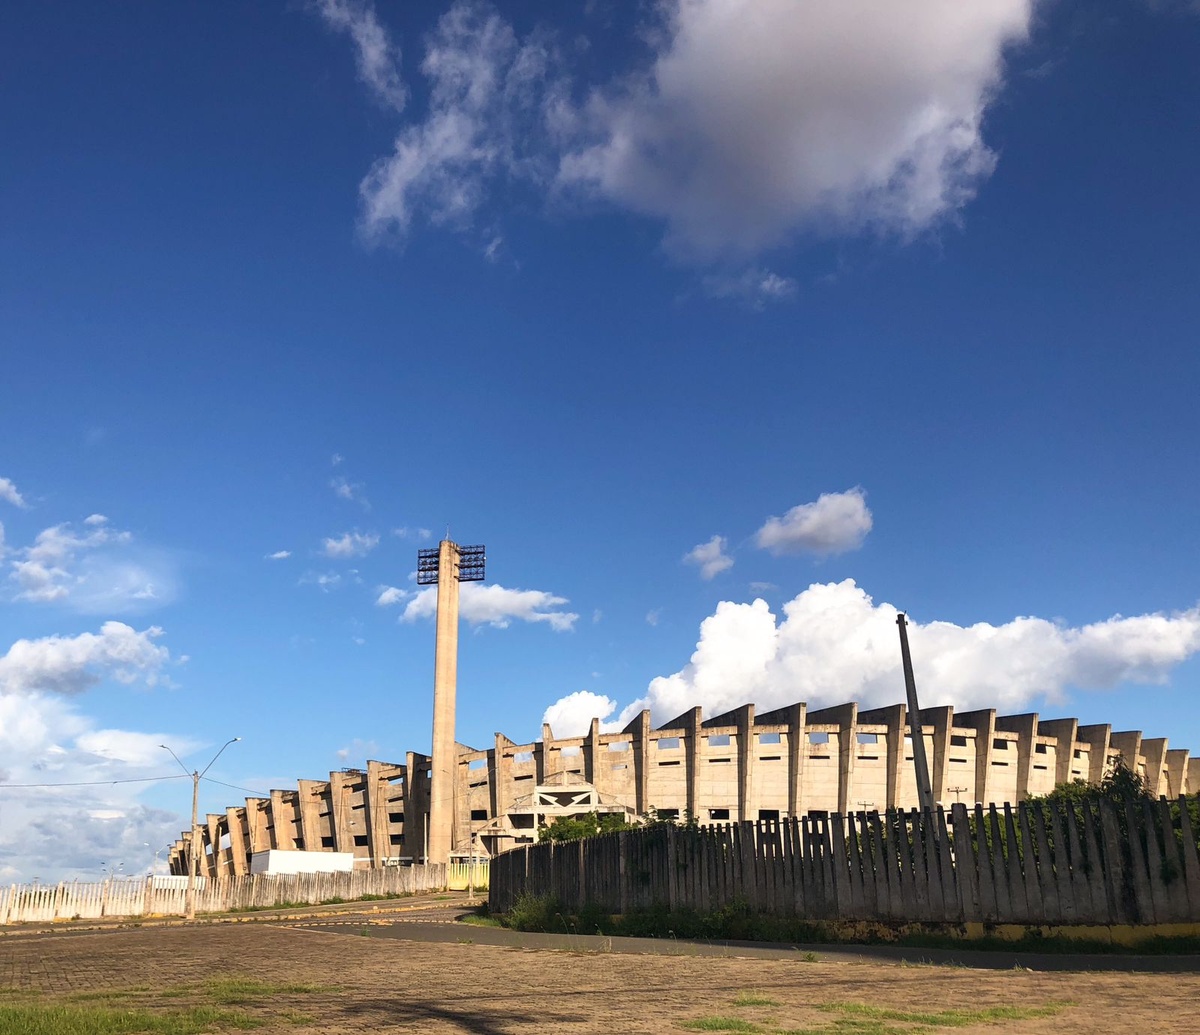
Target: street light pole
(194, 849)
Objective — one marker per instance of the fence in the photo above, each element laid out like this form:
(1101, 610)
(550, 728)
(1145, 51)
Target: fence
(23, 903)
(1088, 864)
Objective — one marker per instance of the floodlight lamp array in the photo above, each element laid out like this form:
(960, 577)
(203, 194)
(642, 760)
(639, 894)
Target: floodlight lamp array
(427, 567)
(471, 563)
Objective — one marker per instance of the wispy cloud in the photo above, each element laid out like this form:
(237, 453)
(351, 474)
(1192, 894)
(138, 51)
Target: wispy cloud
(377, 57)
(344, 489)
(10, 494)
(279, 555)
(349, 544)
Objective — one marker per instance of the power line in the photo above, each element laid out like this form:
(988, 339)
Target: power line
(90, 783)
(234, 786)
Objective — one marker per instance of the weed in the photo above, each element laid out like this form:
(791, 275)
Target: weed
(69, 1019)
(720, 1024)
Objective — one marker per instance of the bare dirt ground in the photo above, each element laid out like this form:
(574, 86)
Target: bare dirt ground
(361, 982)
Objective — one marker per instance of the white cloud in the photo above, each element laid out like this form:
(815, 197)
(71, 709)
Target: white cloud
(344, 489)
(9, 493)
(834, 644)
(389, 595)
(710, 557)
(496, 606)
(358, 749)
(761, 117)
(323, 580)
(377, 57)
(750, 121)
(59, 832)
(652, 617)
(571, 716)
(71, 664)
(491, 99)
(279, 555)
(753, 286)
(350, 544)
(95, 571)
(835, 523)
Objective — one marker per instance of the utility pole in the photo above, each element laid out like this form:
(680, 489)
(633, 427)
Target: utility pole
(194, 845)
(957, 792)
(915, 729)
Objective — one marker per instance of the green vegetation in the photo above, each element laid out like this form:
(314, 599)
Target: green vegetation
(71, 1019)
(738, 922)
(943, 1018)
(134, 1011)
(720, 1024)
(572, 828)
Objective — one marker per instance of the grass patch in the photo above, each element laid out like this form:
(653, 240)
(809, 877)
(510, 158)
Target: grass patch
(70, 1019)
(239, 991)
(955, 1018)
(720, 1024)
(753, 999)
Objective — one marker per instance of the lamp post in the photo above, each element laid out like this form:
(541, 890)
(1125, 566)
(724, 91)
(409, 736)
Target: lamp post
(194, 847)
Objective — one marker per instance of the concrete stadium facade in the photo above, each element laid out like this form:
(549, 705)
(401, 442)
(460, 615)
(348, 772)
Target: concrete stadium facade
(741, 765)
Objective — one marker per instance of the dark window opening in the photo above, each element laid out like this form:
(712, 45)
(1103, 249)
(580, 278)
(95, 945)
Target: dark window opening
(396, 839)
(395, 817)
(958, 742)
(360, 840)
(327, 842)
(479, 815)
(667, 813)
(718, 813)
(768, 814)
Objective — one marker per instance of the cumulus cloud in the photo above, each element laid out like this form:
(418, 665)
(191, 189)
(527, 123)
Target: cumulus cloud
(761, 117)
(59, 832)
(710, 557)
(350, 544)
(747, 122)
(833, 643)
(497, 606)
(95, 570)
(72, 664)
(571, 716)
(377, 57)
(835, 523)
(10, 494)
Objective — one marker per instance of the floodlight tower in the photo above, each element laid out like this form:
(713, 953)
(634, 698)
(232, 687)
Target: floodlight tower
(446, 566)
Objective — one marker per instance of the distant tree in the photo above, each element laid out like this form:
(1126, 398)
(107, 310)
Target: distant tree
(572, 828)
(1120, 784)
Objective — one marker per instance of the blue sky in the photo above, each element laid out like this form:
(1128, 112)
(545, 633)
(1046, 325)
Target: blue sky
(903, 298)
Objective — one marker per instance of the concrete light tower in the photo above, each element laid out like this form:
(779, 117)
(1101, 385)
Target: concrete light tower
(446, 566)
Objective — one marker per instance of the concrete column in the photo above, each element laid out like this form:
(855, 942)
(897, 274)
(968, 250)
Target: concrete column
(1193, 775)
(744, 717)
(941, 719)
(846, 717)
(1065, 732)
(502, 792)
(639, 730)
(795, 716)
(1155, 753)
(983, 722)
(591, 754)
(1129, 743)
(339, 806)
(236, 818)
(311, 794)
(1097, 738)
(416, 811)
(1026, 728)
(1177, 763)
(283, 821)
(445, 689)
(893, 717)
(377, 786)
(687, 726)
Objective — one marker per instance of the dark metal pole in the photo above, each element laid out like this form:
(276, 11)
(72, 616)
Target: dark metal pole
(916, 731)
